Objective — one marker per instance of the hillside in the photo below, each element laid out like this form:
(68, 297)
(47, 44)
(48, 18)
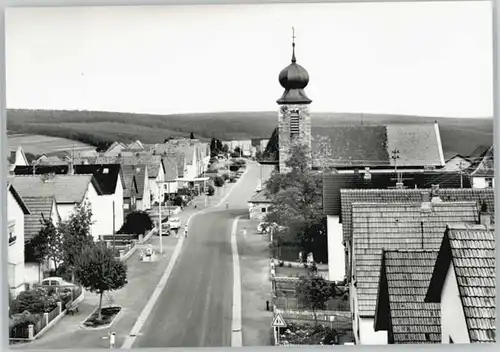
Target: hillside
(101, 128)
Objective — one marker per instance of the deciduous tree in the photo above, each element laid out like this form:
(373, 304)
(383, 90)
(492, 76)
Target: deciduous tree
(316, 291)
(98, 271)
(48, 244)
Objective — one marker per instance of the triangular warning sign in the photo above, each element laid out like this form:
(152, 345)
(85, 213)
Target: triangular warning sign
(278, 321)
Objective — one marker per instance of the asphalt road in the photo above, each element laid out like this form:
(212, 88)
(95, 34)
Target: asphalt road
(195, 307)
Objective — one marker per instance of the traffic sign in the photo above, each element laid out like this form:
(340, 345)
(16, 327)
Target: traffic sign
(278, 321)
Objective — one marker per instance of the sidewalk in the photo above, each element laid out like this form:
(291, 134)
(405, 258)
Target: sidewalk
(142, 280)
(256, 286)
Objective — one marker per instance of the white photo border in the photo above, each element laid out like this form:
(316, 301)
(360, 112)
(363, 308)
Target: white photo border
(70, 3)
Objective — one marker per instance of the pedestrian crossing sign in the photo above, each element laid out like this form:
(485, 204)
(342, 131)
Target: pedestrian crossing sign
(278, 321)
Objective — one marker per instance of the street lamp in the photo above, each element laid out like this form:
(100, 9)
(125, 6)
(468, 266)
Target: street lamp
(160, 230)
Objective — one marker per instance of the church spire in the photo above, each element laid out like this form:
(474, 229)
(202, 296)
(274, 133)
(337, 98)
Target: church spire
(293, 45)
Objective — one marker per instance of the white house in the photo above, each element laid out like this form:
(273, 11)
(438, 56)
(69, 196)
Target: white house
(463, 282)
(69, 192)
(115, 149)
(156, 174)
(16, 211)
(258, 205)
(17, 158)
(171, 174)
(110, 179)
(456, 163)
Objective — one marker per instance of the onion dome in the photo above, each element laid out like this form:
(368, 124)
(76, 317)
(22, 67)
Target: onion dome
(294, 78)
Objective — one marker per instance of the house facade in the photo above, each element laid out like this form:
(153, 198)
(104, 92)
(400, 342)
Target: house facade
(16, 211)
(456, 163)
(258, 205)
(483, 173)
(156, 176)
(131, 189)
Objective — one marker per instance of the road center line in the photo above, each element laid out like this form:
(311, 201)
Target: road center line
(236, 335)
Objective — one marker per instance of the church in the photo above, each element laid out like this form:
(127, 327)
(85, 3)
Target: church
(413, 147)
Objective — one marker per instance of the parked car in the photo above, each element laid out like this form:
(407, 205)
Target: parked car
(55, 281)
(174, 223)
(165, 229)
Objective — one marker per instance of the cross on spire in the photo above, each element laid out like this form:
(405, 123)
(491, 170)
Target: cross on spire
(293, 44)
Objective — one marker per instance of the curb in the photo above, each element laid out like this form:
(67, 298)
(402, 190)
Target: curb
(103, 327)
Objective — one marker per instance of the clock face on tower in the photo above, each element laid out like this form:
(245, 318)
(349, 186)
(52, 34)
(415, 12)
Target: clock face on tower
(284, 109)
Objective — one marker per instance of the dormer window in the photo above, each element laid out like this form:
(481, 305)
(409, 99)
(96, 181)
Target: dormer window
(105, 171)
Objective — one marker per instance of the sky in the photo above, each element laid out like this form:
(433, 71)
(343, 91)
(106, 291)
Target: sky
(430, 59)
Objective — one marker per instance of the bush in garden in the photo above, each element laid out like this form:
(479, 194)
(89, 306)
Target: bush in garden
(137, 222)
(218, 181)
(225, 176)
(210, 190)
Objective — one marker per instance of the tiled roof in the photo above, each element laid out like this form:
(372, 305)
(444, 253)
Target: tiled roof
(378, 226)
(17, 196)
(260, 197)
(65, 188)
(140, 178)
(171, 167)
(271, 153)
(369, 145)
(33, 222)
(349, 196)
(407, 275)
(129, 178)
(471, 249)
(105, 179)
(334, 182)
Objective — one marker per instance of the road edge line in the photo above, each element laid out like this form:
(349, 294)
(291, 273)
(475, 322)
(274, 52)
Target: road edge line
(146, 311)
(236, 334)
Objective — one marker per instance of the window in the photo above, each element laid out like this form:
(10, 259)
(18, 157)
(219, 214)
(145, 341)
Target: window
(489, 182)
(294, 125)
(125, 206)
(12, 233)
(263, 210)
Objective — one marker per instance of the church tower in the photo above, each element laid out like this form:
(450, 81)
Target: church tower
(294, 119)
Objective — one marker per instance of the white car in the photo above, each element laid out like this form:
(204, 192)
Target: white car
(55, 281)
(174, 223)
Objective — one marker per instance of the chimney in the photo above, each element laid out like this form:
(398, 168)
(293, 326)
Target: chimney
(426, 201)
(485, 219)
(367, 175)
(399, 185)
(435, 194)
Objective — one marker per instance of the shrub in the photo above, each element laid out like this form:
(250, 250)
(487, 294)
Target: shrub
(225, 176)
(210, 190)
(137, 222)
(218, 181)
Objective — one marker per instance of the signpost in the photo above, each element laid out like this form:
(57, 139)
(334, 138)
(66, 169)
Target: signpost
(278, 322)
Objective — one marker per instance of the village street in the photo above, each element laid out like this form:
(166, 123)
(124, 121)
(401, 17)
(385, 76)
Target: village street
(195, 307)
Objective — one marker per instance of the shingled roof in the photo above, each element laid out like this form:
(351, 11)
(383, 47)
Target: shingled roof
(106, 175)
(64, 188)
(379, 226)
(419, 145)
(38, 206)
(334, 182)
(471, 249)
(401, 310)
(350, 196)
(171, 167)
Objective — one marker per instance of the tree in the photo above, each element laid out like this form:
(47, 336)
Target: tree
(237, 150)
(316, 291)
(76, 234)
(297, 200)
(225, 148)
(210, 190)
(48, 244)
(137, 222)
(98, 271)
(191, 135)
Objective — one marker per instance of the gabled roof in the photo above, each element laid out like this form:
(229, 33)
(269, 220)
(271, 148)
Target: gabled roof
(419, 145)
(401, 310)
(378, 226)
(33, 222)
(170, 164)
(106, 175)
(129, 176)
(479, 152)
(64, 188)
(471, 249)
(20, 200)
(140, 178)
(486, 167)
(350, 196)
(260, 197)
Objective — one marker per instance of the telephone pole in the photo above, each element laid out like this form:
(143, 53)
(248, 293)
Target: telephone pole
(395, 157)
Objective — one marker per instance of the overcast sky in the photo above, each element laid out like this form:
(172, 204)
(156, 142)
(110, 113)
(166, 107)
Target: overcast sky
(430, 59)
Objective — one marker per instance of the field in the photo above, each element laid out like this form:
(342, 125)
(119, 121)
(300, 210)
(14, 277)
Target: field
(38, 144)
(458, 135)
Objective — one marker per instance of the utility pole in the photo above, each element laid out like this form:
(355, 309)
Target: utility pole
(461, 168)
(395, 157)
(159, 221)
